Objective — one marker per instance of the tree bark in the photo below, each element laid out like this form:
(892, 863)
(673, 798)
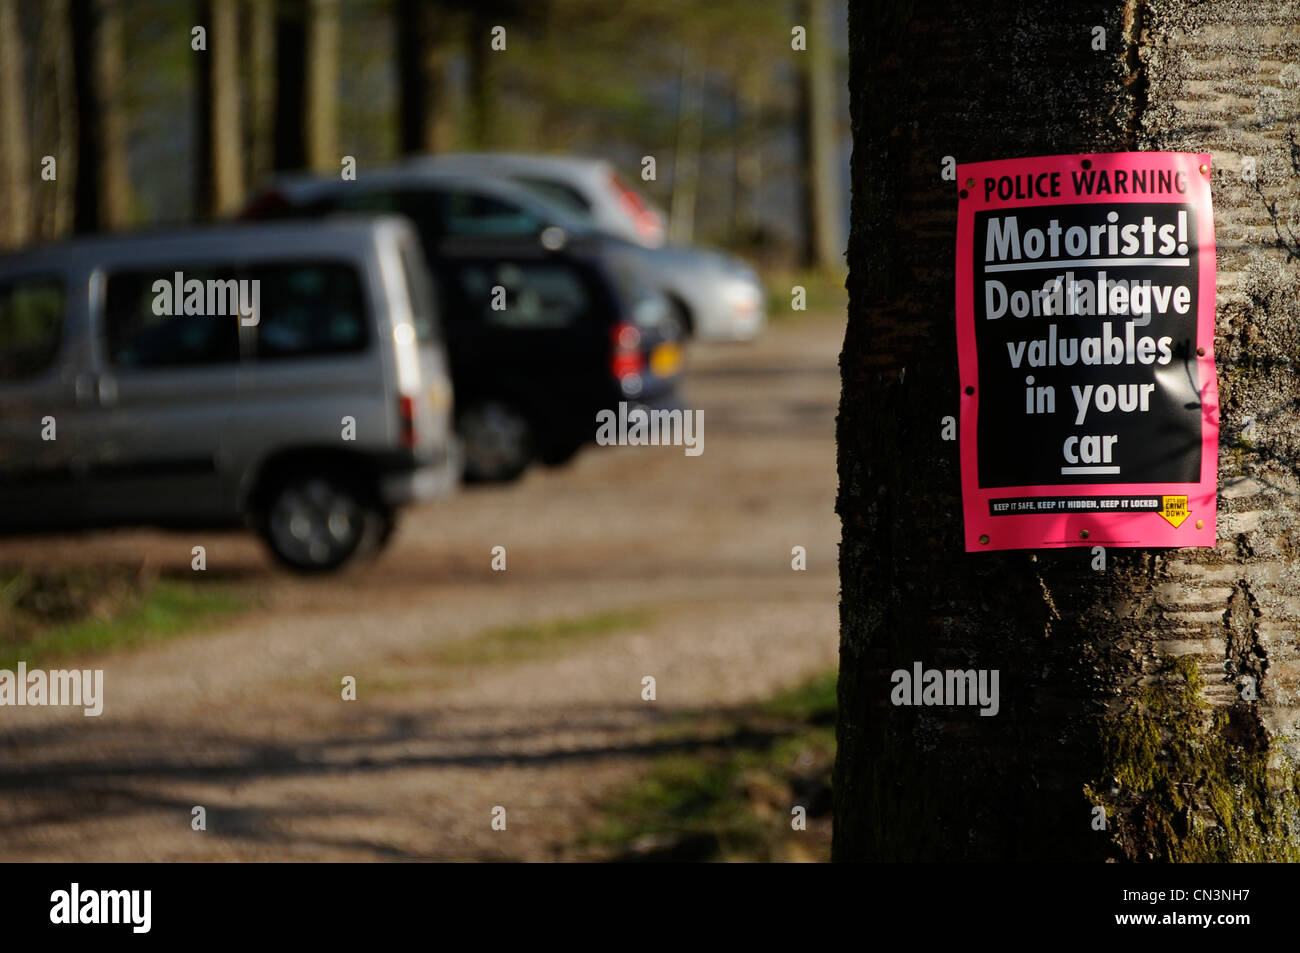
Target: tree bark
(17, 171)
(103, 187)
(220, 178)
(819, 144)
(1121, 689)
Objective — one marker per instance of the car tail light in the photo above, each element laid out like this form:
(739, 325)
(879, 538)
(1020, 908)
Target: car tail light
(267, 205)
(648, 222)
(406, 420)
(627, 358)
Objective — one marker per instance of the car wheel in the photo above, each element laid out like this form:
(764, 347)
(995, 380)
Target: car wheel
(498, 442)
(681, 316)
(314, 522)
(386, 527)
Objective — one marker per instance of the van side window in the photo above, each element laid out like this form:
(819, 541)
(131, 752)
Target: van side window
(536, 294)
(31, 326)
(149, 322)
(309, 309)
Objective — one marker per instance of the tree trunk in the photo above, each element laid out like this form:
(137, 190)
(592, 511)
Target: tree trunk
(290, 85)
(686, 154)
(306, 85)
(482, 79)
(103, 186)
(747, 161)
(1120, 689)
(220, 179)
(17, 171)
(322, 99)
(259, 131)
(54, 126)
(819, 143)
(424, 53)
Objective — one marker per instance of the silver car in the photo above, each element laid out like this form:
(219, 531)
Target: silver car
(286, 376)
(714, 296)
(589, 188)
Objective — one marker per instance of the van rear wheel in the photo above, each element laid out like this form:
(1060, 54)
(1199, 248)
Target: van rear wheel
(316, 522)
(498, 442)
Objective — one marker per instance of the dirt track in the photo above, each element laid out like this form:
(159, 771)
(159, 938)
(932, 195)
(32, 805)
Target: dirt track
(247, 720)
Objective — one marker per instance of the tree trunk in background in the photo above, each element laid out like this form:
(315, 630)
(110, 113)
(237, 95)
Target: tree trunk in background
(746, 220)
(220, 178)
(54, 124)
(259, 130)
(322, 99)
(482, 79)
(425, 47)
(686, 154)
(290, 85)
(1119, 689)
(17, 171)
(307, 85)
(103, 186)
(823, 203)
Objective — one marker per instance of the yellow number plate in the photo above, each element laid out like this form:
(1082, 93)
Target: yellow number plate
(666, 360)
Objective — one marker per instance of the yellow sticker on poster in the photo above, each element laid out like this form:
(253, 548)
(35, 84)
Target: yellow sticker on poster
(1174, 509)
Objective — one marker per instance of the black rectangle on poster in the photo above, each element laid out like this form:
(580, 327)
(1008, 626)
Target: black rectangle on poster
(1085, 326)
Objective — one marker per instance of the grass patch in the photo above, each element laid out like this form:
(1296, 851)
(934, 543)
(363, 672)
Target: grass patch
(74, 612)
(434, 666)
(732, 801)
(520, 643)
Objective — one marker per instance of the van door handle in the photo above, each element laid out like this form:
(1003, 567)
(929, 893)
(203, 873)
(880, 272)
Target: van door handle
(107, 390)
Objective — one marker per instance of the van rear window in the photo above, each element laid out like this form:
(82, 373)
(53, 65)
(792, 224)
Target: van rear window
(309, 310)
(535, 295)
(31, 326)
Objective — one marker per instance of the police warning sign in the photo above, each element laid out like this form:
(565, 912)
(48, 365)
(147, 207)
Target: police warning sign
(1085, 335)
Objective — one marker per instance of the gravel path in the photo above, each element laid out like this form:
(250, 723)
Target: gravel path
(247, 719)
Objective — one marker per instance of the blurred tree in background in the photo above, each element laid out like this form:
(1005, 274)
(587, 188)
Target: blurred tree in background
(15, 153)
(220, 174)
(748, 134)
(103, 189)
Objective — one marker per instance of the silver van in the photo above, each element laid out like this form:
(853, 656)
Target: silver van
(290, 377)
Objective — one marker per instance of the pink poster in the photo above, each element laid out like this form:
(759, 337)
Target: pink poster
(1085, 341)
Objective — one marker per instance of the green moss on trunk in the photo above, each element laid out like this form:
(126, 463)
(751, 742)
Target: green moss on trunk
(1191, 782)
